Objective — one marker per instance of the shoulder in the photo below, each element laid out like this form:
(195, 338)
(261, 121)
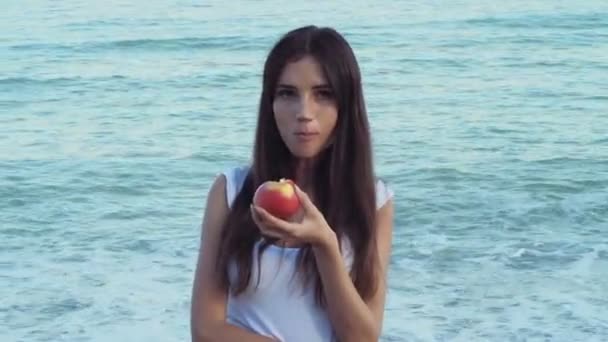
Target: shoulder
(216, 194)
(384, 193)
(216, 208)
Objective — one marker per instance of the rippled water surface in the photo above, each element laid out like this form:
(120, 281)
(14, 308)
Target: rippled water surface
(490, 122)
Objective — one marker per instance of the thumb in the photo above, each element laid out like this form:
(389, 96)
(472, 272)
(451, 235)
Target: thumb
(305, 199)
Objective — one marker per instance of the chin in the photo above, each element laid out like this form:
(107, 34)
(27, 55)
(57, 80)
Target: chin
(305, 153)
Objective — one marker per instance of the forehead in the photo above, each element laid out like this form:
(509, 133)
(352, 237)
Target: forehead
(304, 72)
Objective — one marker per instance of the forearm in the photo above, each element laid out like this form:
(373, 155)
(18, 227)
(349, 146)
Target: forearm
(350, 316)
(228, 333)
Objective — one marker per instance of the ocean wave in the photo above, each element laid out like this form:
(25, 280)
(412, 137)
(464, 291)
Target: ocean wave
(446, 174)
(53, 81)
(582, 21)
(230, 43)
(16, 81)
(569, 161)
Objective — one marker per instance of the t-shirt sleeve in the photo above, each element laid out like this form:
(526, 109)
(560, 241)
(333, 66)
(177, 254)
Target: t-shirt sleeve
(383, 193)
(235, 177)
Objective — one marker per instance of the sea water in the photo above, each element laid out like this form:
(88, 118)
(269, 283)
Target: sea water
(489, 120)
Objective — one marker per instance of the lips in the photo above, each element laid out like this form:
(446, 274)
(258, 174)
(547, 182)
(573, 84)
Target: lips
(305, 135)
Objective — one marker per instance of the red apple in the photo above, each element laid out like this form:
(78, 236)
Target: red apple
(277, 198)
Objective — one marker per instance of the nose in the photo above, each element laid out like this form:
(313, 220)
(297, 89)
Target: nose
(305, 110)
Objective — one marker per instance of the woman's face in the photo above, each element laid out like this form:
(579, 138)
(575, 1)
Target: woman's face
(304, 108)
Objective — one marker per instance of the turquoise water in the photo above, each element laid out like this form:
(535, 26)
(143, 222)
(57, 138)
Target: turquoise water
(490, 122)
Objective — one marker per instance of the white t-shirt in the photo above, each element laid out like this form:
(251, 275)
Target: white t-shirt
(279, 308)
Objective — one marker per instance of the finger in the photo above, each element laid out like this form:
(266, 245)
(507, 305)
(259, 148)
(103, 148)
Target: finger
(291, 241)
(255, 216)
(275, 222)
(273, 234)
(258, 221)
(305, 199)
(266, 228)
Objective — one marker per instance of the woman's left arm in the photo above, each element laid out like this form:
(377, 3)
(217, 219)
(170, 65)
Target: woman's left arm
(352, 318)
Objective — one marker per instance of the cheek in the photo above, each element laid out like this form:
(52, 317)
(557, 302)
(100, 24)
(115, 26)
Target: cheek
(281, 115)
(328, 126)
(329, 120)
(283, 107)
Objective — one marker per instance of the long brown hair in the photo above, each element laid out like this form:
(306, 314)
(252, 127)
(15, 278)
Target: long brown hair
(344, 174)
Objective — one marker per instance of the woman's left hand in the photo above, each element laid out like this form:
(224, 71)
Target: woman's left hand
(311, 227)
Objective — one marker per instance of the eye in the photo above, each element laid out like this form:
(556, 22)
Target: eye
(285, 93)
(326, 94)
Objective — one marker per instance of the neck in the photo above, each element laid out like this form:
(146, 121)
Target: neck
(304, 173)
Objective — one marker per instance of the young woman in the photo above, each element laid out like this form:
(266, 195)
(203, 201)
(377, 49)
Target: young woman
(320, 276)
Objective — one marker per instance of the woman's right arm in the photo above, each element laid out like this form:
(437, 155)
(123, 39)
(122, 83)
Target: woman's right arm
(208, 310)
